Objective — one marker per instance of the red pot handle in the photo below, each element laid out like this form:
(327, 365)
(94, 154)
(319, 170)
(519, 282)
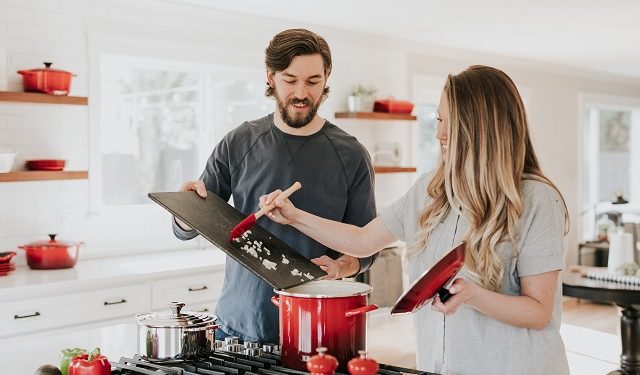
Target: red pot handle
(275, 300)
(360, 310)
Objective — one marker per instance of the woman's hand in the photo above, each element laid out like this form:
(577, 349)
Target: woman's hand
(284, 212)
(462, 291)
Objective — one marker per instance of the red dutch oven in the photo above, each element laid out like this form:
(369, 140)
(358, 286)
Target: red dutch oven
(46, 80)
(322, 313)
(52, 254)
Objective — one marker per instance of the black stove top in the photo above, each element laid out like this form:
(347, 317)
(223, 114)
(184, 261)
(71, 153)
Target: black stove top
(227, 363)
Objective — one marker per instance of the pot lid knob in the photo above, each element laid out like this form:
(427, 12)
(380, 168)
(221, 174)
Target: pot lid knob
(52, 236)
(175, 308)
(362, 365)
(47, 64)
(322, 363)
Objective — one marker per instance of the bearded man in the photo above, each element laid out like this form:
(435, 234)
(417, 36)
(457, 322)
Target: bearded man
(292, 144)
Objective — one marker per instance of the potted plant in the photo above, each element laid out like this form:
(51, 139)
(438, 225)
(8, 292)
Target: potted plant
(361, 98)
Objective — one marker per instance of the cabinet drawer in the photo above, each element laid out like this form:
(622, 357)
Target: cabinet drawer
(74, 308)
(191, 290)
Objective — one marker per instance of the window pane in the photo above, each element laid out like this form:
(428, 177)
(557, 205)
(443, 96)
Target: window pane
(615, 154)
(151, 122)
(428, 145)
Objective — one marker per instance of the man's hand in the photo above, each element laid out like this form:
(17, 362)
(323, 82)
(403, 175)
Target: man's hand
(345, 266)
(198, 187)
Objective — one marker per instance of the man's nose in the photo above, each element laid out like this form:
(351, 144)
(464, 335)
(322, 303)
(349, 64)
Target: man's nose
(300, 91)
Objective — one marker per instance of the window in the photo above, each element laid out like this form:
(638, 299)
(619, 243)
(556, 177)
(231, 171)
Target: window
(160, 121)
(151, 122)
(155, 123)
(611, 160)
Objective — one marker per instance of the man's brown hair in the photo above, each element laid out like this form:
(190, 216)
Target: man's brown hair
(295, 42)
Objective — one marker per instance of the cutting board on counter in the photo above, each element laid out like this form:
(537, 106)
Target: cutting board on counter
(257, 250)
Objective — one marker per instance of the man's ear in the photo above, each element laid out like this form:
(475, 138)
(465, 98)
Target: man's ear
(271, 78)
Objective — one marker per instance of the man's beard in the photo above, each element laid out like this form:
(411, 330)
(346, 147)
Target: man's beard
(298, 120)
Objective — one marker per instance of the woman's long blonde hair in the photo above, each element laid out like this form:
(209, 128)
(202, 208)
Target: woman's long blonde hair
(489, 155)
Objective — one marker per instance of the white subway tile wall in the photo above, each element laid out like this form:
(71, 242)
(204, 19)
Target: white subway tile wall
(34, 31)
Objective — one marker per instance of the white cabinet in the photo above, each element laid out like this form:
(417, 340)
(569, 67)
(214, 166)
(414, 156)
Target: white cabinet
(107, 290)
(25, 316)
(198, 292)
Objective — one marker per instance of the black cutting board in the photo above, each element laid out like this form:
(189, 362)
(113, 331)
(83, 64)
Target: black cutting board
(213, 218)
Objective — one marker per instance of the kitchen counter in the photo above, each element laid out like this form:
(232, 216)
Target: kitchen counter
(26, 283)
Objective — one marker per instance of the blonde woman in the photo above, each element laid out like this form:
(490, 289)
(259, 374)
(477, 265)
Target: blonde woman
(488, 190)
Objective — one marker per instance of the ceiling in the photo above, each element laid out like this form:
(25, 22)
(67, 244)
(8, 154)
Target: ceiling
(595, 35)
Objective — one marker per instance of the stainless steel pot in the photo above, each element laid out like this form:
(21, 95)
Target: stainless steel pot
(176, 335)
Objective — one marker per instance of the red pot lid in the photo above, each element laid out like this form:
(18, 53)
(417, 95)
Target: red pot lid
(52, 242)
(47, 68)
(322, 363)
(362, 365)
(432, 280)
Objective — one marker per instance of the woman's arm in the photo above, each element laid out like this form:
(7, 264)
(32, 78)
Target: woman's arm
(531, 309)
(345, 238)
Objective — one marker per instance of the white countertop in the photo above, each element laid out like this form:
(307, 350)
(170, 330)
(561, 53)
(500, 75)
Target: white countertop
(122, 270)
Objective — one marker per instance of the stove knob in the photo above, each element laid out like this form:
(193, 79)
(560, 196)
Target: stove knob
(218, 345)
(230, 340)
(234, 348)
(254, 352)
(269, 348)
(251, 344)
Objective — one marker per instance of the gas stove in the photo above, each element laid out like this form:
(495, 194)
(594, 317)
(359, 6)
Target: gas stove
(227, 363)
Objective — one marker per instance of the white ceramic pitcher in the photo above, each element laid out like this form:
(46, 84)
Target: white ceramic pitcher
(620, 250)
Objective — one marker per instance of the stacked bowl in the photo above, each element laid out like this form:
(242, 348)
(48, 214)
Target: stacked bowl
(6, 266)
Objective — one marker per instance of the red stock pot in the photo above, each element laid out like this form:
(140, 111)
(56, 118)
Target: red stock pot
(322, 313)
(46, 80)
(52, 254)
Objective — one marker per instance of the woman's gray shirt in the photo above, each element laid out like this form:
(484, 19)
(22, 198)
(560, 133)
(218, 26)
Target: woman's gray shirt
(469, 342)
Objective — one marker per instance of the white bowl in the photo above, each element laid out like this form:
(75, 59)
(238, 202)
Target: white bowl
(6, 160)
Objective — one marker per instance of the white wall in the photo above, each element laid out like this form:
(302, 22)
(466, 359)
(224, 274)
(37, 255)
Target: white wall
(61, 31)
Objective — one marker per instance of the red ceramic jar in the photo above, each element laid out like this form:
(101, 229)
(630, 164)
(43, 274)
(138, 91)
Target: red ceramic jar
(362, 365)
(322, 363)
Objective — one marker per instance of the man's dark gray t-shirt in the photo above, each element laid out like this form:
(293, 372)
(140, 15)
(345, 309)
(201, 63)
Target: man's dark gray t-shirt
(256, 158)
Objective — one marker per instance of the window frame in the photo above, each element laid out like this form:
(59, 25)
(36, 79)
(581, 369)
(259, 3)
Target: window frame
(123, 220)
(588, 171)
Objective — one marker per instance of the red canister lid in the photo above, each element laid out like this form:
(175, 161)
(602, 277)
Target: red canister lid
(363, 365)
(322, 363)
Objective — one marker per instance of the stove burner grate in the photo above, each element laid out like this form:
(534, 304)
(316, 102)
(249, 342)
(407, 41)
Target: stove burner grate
(227, 363)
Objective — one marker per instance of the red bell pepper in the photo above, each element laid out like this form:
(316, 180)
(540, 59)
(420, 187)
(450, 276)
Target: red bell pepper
(90, 364)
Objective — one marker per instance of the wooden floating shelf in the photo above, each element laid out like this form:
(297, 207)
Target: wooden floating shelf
(34, 97)
(375, 116)
(394, 169)
(43, 175)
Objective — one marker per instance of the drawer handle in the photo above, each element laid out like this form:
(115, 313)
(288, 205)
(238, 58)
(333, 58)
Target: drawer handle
(106, 303)
(197, 289)
(37, 313)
